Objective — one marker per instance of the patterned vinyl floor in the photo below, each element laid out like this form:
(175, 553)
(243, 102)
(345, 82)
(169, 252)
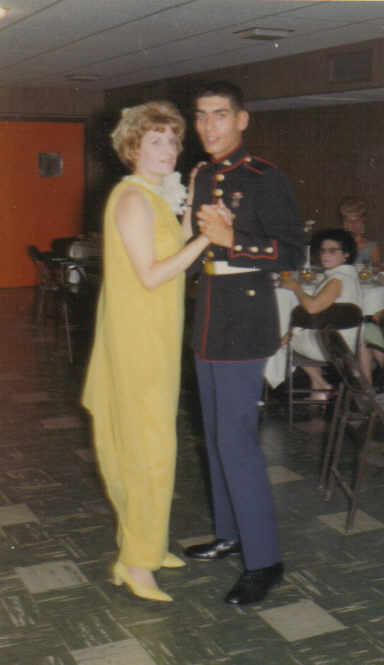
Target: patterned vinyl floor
(57, 606)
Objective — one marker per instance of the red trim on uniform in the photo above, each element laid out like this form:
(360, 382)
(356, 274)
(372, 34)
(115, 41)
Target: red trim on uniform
(264, 161)
(203, 166)
(207, 317)
(272, 256)
(247, 166)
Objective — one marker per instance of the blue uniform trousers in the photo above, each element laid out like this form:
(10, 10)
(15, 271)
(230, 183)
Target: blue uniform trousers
(242, 496)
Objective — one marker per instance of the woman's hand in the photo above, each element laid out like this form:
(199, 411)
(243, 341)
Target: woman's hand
(215, 222)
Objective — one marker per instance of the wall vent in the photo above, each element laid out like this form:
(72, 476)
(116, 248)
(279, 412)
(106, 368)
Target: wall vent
(350, 67)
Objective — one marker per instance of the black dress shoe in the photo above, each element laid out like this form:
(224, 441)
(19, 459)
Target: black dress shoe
(253, 585)
(218, 549)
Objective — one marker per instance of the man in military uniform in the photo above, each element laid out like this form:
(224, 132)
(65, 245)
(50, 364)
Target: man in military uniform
(245, 206)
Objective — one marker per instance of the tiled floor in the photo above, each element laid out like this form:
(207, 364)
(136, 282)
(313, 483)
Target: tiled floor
(57, 606)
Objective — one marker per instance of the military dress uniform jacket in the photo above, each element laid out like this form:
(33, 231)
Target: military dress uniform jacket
(236, 315)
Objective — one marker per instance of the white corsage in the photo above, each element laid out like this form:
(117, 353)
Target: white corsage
(174, 192)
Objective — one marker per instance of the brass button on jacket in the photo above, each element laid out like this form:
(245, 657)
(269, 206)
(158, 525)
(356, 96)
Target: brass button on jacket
(236, 316)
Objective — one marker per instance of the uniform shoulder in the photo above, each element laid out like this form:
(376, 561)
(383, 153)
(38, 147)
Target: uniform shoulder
(259, 164)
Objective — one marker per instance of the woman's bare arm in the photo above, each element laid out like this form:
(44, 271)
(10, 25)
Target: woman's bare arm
(320, 301)
(134, 218)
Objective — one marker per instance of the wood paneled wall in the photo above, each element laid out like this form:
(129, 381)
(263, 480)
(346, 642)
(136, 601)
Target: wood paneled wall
(302, 74)
(328, 153)
(49, 103)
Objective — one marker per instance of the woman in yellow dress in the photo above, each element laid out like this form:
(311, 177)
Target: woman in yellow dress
(132, 384)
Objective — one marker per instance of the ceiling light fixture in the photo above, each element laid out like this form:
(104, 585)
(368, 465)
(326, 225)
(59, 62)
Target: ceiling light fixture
(3, 11)
(264, 34)
(83, 77)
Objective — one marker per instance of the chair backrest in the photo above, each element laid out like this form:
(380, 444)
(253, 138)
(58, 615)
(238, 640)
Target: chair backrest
(348, 368)
(35, 254)
(340, 316)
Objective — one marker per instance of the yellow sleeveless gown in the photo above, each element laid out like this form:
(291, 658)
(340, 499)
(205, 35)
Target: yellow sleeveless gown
(132, 385)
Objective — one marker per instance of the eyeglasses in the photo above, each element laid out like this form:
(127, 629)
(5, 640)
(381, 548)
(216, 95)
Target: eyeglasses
(331, 250)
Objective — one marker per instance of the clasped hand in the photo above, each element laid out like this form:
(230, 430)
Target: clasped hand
(215, 222)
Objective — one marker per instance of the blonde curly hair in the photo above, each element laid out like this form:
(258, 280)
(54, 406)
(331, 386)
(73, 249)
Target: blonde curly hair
(352, 206)
(137, 121)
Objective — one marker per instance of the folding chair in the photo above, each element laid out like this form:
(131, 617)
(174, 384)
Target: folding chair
(78, 294)
(341, 316)
(47, 282)
(356, 402)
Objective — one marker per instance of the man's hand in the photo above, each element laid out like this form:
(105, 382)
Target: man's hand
(215, 222)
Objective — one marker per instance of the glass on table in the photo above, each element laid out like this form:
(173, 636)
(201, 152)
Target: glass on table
(365, 270)
(307, 274)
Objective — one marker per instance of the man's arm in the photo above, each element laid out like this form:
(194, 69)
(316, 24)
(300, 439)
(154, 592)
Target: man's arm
(282, 245)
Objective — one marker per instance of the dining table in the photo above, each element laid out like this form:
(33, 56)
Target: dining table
(373, 301)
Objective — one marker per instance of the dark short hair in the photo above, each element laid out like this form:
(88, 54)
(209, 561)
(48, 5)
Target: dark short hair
(222, 89)
(344, 238)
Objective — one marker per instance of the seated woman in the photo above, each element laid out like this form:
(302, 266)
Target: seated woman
(353, 211)
(373, 338)
(337, 251)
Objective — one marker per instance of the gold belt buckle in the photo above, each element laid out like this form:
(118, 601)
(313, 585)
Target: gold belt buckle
(209, 267)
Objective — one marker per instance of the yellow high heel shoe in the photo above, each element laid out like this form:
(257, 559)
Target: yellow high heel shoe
(172, 561)
(121, 576)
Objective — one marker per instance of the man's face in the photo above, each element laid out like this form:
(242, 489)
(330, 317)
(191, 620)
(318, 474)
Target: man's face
(218, 125)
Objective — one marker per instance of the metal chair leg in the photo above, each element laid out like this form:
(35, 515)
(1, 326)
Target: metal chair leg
(355, 493)
(331, 436)
(334, 473)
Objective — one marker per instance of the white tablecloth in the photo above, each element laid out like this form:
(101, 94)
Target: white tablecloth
(373, 301)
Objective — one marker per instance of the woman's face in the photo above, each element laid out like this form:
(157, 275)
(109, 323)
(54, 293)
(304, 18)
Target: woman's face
(157, 154)
(331, 254)
(353, 223)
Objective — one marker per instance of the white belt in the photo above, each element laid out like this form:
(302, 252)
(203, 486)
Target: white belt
(222, 268)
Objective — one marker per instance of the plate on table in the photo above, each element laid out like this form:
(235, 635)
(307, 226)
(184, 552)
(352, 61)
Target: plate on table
(379, 279)
(365, 283)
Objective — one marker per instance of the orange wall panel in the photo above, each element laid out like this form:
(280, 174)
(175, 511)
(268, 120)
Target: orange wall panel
(36, 209)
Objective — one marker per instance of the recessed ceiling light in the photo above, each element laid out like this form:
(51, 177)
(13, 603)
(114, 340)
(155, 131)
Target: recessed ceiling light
(83, 77)
(3, 11)
(263, 34)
